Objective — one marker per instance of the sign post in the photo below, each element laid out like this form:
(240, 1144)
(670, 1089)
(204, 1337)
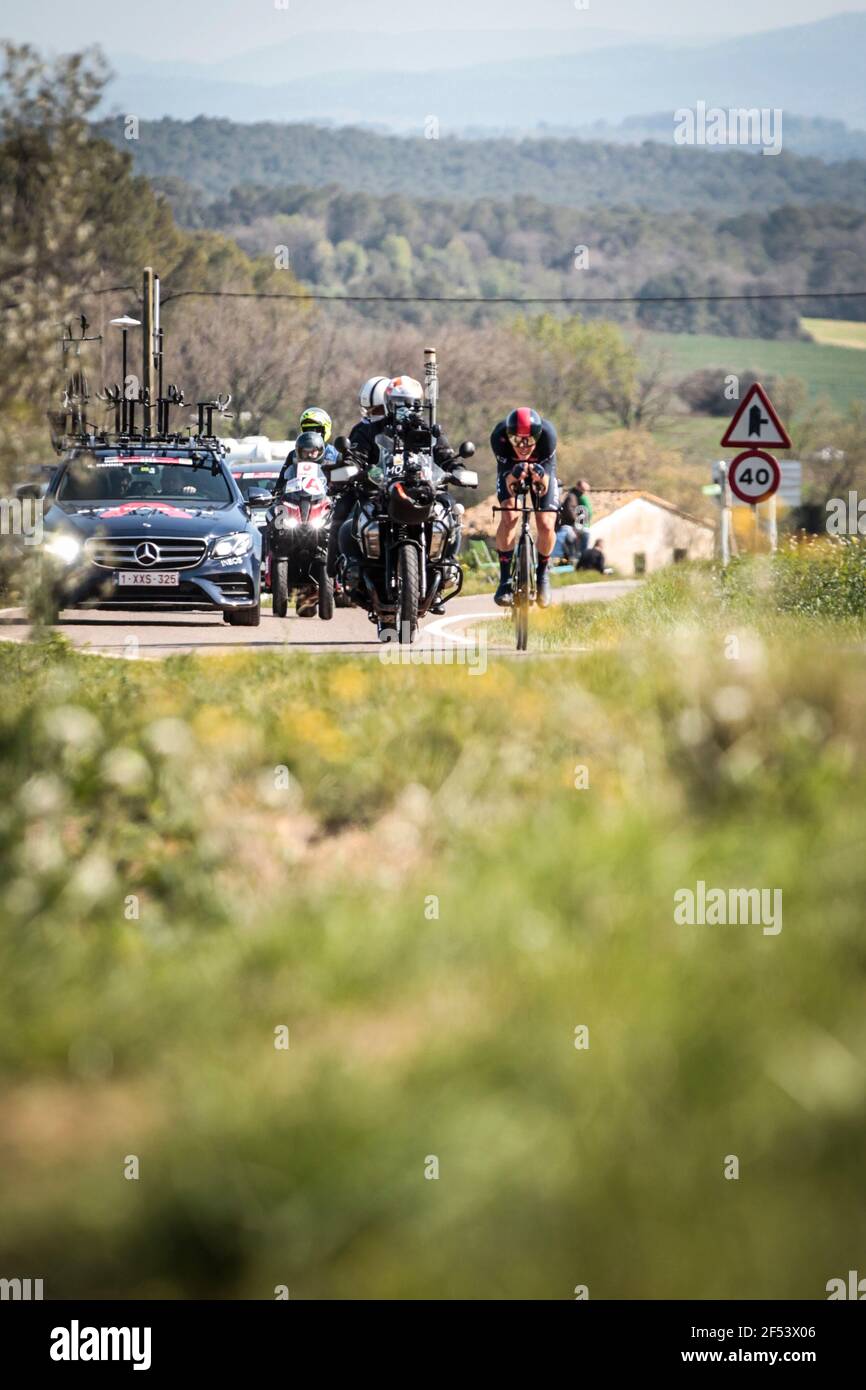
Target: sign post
(754, 475)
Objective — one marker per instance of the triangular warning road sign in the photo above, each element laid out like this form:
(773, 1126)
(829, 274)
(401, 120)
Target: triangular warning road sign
(756, 424)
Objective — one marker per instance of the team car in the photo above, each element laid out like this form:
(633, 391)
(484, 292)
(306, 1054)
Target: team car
(151, 525)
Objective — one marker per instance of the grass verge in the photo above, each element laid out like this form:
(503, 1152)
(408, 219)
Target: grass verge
(432, 880)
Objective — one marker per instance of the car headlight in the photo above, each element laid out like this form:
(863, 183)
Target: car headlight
(64, 548)
(238, 543)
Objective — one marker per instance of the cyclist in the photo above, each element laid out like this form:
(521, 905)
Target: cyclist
(524, 446)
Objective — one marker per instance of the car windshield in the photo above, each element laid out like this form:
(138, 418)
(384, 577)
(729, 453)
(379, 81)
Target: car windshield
(250, 482)
(121, 478)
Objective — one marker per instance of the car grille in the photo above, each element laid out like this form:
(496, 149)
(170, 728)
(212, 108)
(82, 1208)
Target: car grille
(120, 552)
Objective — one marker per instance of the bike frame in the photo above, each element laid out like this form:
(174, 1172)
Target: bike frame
(526, 506)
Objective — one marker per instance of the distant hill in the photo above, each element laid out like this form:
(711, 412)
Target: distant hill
(814, 69)
(375, 244)
(354, 51)
(810, 135)
(216, 155)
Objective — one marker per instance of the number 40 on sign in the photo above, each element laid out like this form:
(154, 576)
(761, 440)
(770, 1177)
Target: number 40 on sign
(754, 476)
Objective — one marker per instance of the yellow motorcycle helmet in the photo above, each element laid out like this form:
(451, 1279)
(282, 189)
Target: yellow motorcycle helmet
(317, 421)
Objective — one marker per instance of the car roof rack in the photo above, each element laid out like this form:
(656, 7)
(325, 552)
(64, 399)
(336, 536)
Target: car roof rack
(70, 425)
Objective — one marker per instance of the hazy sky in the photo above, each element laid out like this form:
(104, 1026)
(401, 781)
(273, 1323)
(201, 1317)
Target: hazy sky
(217, 28)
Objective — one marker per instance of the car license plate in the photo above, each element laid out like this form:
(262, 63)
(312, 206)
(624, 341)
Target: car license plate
(156, 579)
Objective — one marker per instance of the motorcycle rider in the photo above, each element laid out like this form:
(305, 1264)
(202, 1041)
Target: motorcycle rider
(316, 421)
(372, 402)
(310, 447)
(524, 445)
(312, 421)
(403, 402)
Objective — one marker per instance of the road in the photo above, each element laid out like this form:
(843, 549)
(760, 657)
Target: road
(151, 635)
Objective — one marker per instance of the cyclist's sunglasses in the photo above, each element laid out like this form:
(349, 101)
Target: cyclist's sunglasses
(522, 441)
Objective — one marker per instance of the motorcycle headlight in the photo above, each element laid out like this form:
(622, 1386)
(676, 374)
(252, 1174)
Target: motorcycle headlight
(64, 548)
(438, 537)
(372, 541)
(238, 543)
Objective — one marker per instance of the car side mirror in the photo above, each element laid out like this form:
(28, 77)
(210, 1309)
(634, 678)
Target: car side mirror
(33, 490)
(467, 449)
(259, 497)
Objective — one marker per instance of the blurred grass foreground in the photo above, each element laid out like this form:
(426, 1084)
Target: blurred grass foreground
(365, 981)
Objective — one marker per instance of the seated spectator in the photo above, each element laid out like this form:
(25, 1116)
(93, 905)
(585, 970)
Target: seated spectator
(593, 558)
(567, 545)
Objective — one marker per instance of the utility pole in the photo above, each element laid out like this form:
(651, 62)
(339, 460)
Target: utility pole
(773, 523)
(719, 488)
(148, 375)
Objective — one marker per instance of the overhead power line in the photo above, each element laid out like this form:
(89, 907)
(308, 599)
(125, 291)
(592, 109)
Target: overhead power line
(508, 299)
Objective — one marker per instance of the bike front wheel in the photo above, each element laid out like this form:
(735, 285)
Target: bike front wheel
(523, 594)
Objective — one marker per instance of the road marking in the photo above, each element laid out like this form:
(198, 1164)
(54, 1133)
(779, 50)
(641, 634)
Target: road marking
(438, 628)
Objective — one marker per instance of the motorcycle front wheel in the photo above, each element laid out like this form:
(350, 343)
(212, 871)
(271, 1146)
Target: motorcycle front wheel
(326, 593)
(408, 587)
(280, 586)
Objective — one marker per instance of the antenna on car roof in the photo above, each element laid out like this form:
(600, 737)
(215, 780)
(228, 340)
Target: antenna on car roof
(205, 415)
(71, 419)
(69, 425)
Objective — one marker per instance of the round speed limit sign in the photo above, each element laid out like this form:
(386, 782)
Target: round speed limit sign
(754, 476)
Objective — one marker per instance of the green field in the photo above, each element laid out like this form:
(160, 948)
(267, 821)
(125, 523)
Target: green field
(847, 333)
(435, 881)
(835, 372)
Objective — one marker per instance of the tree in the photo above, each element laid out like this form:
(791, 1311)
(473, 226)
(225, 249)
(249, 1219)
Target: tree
(48, 240)
(636, 389)
(578, 365)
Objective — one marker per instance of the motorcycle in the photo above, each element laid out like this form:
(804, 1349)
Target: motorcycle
(297, 536)
(398, 550)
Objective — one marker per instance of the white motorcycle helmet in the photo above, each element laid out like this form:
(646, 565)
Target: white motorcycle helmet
(403, 395)
(372, 397)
